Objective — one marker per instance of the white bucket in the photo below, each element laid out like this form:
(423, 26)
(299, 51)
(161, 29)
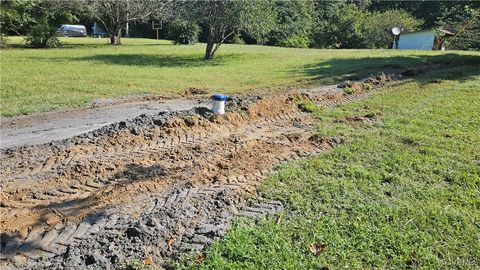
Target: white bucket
(218, 106)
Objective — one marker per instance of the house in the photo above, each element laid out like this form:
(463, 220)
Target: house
(424, 40)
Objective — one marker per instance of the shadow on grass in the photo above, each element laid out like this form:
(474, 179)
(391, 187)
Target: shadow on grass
(66, 45)
(107, 44)
(62, 46)
(155, 60)
(336, 70)
(147, 60)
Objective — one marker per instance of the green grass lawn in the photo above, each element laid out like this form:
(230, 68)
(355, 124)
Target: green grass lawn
(401, 192)
(36, 80)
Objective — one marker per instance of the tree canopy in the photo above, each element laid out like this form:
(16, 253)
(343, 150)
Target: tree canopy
(115, 14)
(222, 19)
(306, 23)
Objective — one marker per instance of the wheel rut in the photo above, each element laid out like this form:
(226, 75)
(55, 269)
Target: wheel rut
(154, 186)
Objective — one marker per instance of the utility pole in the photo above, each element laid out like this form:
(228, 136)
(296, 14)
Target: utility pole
(127, 34)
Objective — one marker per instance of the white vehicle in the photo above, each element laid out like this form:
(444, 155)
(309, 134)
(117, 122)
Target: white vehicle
(70, 30)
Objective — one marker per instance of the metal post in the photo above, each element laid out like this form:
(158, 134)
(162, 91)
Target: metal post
(127, 34)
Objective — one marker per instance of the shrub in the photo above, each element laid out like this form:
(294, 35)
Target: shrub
(295, 42)
(237, 40)
(183, 32)
(3, 41)
(43, 36)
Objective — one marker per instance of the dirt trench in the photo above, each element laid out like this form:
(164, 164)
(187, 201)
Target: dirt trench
(153, 186)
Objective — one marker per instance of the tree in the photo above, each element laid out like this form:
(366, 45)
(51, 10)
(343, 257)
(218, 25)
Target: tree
(115, 14)
(341, 27)
(183, 32)
(221, 19)
(465, 22)
(294, 22)
(38, 19)
(344, 25)
(377, 26)
(15, 15)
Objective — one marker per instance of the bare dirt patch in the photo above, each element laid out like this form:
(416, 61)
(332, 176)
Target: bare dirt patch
(153, 186)
(192, 91)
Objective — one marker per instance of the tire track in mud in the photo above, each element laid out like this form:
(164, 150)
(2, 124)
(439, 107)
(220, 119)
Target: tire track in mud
(169, 183)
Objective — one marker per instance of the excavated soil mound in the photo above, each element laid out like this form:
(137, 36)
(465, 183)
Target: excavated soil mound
(152, 186)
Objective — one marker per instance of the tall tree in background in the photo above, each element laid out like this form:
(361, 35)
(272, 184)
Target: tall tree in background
(15, 15)
(221, 19)
(341, 27)
(294, 23)
(347, 25)
(322, 24)
(114, 14)
(38, 19)
(376, 26)
(464, 20)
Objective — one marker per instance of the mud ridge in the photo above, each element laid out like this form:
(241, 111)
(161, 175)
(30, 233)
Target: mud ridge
(154, 185)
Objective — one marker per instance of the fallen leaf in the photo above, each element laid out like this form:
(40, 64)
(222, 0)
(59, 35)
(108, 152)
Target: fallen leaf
(148, 260)
(171, 241)
(200, 258)
(317, 248)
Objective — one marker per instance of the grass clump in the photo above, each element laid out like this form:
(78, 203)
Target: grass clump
(348, 90)
(307, 106)
(367, 86)
(401, 195)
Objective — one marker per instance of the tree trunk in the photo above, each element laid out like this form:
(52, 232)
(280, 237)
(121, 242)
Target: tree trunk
(115, 39)
(209, 50)
(210, 46)
(214, 43)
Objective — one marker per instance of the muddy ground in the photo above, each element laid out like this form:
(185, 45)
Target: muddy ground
(58, 125)
(157, 185)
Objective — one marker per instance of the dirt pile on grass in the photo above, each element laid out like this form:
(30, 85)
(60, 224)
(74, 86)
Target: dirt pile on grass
(370, 82)
(151, 186)
(192, 91)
